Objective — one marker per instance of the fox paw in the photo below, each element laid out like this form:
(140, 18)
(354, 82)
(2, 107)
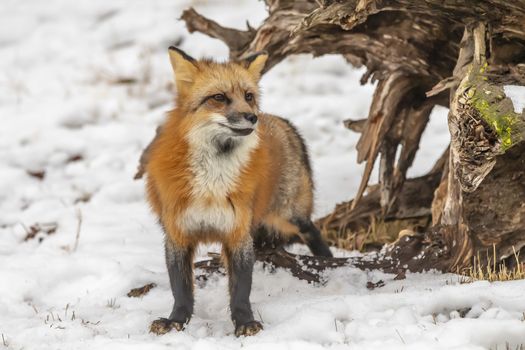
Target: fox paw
(248, 329)
(164, 325)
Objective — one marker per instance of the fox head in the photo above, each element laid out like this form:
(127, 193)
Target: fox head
(220, 101)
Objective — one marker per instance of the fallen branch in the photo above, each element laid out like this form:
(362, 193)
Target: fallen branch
(406, 254)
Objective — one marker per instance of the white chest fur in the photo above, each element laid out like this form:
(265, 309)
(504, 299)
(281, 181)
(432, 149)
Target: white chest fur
(218, 174)
(215, 175)
(203, 217)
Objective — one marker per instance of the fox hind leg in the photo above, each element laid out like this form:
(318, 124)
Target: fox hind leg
(240, 262)
(179, 261)
(312, 237)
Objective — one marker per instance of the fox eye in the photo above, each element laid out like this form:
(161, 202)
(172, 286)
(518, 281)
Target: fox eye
(248, 96)
(219, 97)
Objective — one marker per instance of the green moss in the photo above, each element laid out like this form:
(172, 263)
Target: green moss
(483, 67)
(486, 99)
(502, 124)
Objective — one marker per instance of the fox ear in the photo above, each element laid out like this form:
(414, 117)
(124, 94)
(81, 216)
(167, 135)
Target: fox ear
(184, 67)
(255, 63)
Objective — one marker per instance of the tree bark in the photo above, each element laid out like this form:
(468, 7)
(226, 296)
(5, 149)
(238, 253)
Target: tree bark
(484, 211)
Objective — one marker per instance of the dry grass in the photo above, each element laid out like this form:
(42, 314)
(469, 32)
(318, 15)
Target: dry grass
(112, 303)
(491, 270)
(373, 237)
(360, 239)
(509, 347)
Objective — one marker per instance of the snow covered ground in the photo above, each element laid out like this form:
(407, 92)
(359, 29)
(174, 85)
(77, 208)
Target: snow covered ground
(83, 85)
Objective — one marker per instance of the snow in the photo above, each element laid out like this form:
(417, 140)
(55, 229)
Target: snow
(517, 95)
(67, 109)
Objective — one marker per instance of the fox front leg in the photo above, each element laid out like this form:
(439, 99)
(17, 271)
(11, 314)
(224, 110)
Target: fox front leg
(240, 262)
(179, 261)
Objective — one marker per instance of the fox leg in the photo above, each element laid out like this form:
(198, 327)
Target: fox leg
(179, 261)
(240, 260)
(180, 270)
(312, 237)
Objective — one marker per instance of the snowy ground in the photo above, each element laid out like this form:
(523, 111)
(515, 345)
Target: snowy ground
(82, 86)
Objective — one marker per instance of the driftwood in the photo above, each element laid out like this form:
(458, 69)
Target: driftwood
(421, 53)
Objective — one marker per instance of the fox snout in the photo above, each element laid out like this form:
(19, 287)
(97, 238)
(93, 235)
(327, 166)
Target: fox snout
(240, 117)
(241, 123)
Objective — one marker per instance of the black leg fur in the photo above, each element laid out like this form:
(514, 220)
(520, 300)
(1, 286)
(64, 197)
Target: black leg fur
(180, 269)
(312, 237)
(240, 268)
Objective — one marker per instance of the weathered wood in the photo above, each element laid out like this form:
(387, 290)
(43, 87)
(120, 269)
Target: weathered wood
(440, 193)
(482, 120)
(495, 212)
(355, 125)
(237, 40)
(485, 132)
(383, 111)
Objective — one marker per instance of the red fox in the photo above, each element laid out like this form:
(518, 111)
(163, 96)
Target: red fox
(218, 171)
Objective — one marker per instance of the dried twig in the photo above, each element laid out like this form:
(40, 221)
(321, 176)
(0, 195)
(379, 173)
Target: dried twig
(79, 226)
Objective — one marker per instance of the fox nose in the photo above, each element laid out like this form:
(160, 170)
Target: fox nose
(252, 118)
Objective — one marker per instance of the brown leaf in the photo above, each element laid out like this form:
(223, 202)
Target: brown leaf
(75, 158)
(84, 198)
(141, 291)
(371, 285)
(33, 230)
(39, 174)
